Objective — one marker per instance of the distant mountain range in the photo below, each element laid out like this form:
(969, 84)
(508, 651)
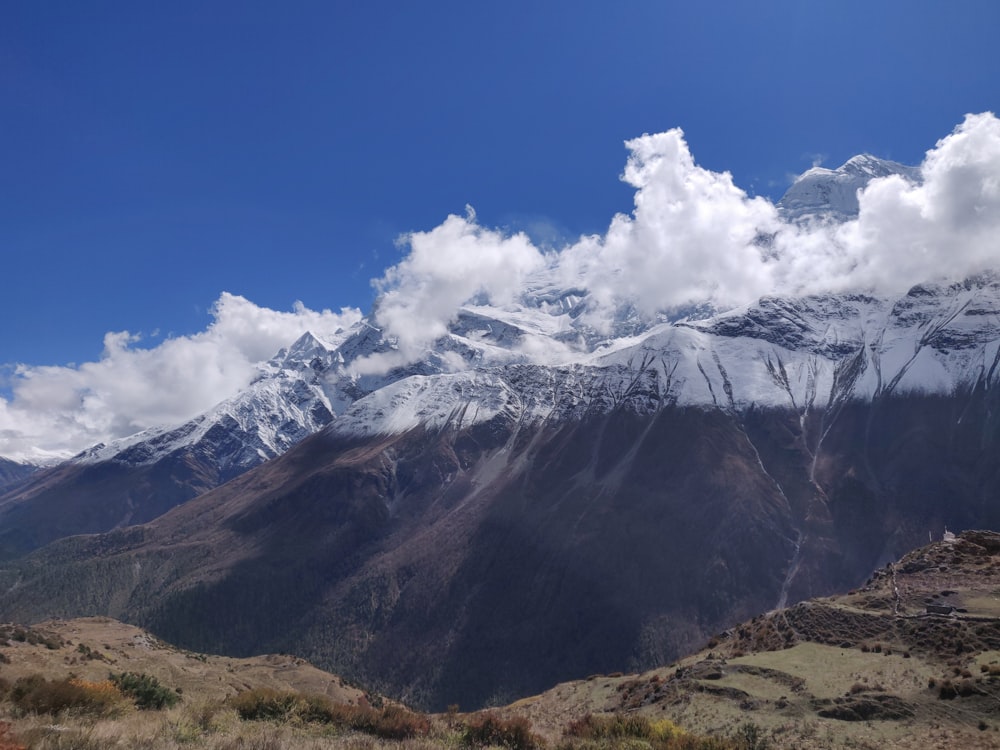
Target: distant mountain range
(481, 523)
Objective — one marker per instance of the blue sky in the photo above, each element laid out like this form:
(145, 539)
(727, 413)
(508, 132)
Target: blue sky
(164, 160)
(157, 154)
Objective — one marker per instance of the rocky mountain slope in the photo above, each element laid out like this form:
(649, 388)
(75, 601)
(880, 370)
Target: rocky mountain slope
(403, 558)
(13, 473)
(316, 380)
(478, 521)
(136, 479)
(305, 386)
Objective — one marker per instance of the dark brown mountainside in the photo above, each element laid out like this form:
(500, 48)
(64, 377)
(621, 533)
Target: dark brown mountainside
(482, 564)
(13, 473)
(90, 498)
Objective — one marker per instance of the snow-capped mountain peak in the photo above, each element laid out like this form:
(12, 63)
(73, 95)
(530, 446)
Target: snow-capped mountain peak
(289, 398)
(832, 194)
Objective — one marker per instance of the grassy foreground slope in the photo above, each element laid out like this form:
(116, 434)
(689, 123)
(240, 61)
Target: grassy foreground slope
(92, 647)
(72, 685)
(910, 660)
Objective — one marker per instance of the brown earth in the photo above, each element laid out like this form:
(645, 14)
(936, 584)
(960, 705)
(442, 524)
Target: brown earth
(90, 648)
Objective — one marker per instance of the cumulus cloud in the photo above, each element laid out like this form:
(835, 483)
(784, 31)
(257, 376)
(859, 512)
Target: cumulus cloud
(694, 237)
(949, 225)
(60, 410)
(445, 267)
(690, 238)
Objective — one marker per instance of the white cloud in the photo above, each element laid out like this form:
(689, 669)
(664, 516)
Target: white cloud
(445, 267)
(694, 236)
(947, 226)
(61, 410)
(690, 237)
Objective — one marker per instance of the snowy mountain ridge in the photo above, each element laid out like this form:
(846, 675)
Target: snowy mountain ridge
(536, 358)
(832, 194)
(286, 401)
(799, 353)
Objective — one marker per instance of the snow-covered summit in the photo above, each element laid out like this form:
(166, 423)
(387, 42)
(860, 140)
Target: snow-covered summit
(833, 193)
(289, 398)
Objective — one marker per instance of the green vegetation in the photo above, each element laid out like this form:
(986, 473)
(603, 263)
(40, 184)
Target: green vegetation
(21, 634)
(34, 694)
(145, 690)
(265, 704)
(89, 654)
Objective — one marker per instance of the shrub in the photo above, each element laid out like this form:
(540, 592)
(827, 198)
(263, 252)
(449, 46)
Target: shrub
(35, 694)
(966, 688)
(604, 726)
(145, 690)
(313, 708)
(947, 691)
(389, 722)
(89, 654)
(749, 736)
(36, 638)
(264, 704)
(104, 691)
(490, 729)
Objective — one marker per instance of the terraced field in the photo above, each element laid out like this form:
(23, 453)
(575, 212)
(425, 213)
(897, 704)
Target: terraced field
(873, 668)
